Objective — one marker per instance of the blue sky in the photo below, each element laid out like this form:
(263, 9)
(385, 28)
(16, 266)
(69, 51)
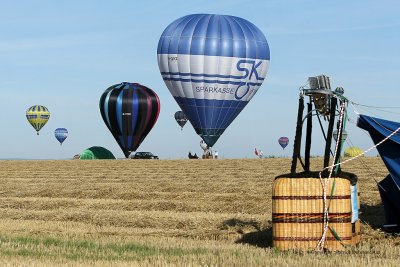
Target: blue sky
(64, 54)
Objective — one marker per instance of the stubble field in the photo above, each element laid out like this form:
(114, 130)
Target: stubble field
(166, 213)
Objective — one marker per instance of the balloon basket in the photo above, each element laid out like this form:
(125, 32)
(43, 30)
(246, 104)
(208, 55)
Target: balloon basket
(207, 157)
(298, 212)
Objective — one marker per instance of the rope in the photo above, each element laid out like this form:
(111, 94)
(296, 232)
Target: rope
(321, 243)
(369, 106)
(325, 184)
(354, 108)
(381, 109)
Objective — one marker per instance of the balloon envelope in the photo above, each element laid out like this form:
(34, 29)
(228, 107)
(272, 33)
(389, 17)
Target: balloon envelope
(37, 116)
(180, 118)
(212, 65)
(96, 152)
(283, 141)
(61, 134)
(130, 110)
(353, 151)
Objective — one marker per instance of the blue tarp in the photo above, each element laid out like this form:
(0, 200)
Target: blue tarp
(390, 149)
(389, 188)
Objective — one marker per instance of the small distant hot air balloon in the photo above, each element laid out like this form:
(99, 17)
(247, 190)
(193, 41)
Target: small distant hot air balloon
(213, 65)
(61, 134)
(353, 151)
(130, 110)
(180, 118)
(283, 141)
(37, 116)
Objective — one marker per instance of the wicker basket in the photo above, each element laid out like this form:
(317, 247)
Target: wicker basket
(297, 214)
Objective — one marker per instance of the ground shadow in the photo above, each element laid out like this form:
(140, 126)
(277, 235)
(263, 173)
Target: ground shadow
(261, 238)
(255, 235)
(374, 215)
(251, 231)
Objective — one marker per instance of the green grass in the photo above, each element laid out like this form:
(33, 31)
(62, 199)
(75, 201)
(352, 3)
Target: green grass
(79, 249)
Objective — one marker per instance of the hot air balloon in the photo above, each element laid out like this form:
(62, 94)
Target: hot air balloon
(96, 152)
(353, 151)
(283, 141)
(213, 65)
(61, 134)
(130, 111)
(180, 118)
(37, 116)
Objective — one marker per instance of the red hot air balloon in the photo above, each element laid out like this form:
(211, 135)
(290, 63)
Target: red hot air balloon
(130, 110)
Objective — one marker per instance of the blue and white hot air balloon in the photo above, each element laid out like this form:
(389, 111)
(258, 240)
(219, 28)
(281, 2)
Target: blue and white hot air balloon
(61, 134)
(213, 65)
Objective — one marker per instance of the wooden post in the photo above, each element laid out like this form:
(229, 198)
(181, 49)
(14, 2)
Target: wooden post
(330, 132)
(297, 139)
(308, 137)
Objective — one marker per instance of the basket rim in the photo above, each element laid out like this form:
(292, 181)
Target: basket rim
(315, 174)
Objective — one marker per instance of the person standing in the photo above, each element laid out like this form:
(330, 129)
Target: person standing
(216, 154)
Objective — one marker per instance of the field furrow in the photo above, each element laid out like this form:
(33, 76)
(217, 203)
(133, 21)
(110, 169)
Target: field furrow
(219, 208)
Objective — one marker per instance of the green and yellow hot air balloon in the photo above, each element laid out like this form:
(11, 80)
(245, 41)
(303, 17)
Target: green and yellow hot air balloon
(37, 116)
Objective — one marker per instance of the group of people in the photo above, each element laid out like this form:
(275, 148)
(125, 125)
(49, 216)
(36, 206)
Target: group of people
(207, 155)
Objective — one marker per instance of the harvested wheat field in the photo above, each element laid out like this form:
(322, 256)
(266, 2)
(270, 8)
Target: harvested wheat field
(166, 213)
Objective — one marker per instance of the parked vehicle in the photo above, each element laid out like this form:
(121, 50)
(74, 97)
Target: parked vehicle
(144, 155)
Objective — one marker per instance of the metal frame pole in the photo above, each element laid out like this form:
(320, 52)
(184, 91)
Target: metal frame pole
(297, 139)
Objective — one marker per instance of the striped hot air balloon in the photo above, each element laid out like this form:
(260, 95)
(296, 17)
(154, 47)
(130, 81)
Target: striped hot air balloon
(180, 118)
(130, 110)
(213, 65)
(37, 116)
(61, 134)
(283, 142)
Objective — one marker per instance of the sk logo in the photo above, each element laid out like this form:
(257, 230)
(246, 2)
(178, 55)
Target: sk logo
(248, 74)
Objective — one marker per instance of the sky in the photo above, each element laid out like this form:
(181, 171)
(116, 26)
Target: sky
(64, 54)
